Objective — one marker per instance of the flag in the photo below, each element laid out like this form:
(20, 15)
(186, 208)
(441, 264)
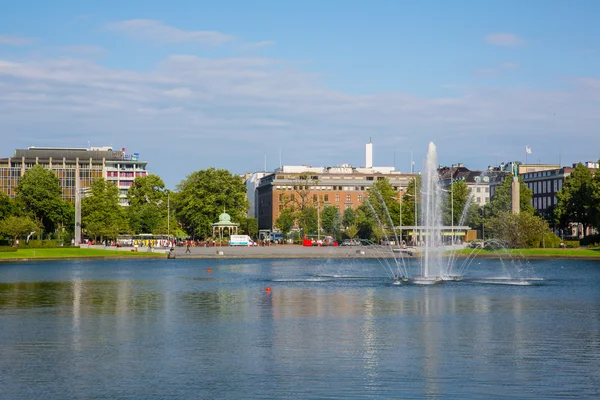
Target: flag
(527, 149)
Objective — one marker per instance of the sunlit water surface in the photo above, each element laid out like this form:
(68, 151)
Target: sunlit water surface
(336, 329)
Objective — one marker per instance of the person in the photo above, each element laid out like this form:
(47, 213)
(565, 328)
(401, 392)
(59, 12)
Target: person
(187, 250)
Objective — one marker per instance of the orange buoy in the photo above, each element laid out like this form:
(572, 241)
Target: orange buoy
(208, 270)
(268, 289)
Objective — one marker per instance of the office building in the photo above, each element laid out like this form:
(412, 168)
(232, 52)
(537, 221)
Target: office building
(69, 164)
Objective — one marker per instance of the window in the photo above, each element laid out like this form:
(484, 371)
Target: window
(326, 197)
(337, 198)
(281, 197)
(348, 197)
(360, 198)
(478, 190)
(314, 198)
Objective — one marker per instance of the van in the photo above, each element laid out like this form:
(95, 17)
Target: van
(240, 240)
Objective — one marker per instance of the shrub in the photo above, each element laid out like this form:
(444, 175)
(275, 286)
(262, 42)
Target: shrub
(590, 240)
(7, 249)
(39, 244)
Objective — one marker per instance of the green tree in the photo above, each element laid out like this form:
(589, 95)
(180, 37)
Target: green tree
(7, 206)
(249, 226)
(410, 197)
(330, 220)
(577, 200)
(16, 227)
(204, 195)
(501, 201)
(384, 202)
(349, 218)
(308, 220)
(101, 215)
(39, 195)
(286, 220)
(352, 230)
(455, 201)
(148, 203)
(518, 230)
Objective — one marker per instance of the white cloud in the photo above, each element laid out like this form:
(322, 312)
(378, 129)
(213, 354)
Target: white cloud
(158, 32)
(509, 65)
(257, 45)
(189, 113)
(11, 40)
(504, 39)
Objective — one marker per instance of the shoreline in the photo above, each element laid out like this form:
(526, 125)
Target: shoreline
(289, 252)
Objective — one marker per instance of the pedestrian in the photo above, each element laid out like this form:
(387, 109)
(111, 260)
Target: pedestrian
(187, 250)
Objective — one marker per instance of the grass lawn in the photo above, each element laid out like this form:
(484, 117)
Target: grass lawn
(73, 252)
(540, 252)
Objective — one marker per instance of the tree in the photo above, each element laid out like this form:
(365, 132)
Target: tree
(352, 231)
(349, 218)
(518, 230)
(330, 220)
(285, 221)
(308, 220)
(16, 227)
(7, 206)
(249, 226)
(148, 202)
(577, 199)
(455, 202)
(39, 195)
(410, 197)
(204, 195)
(501, 201)
(383, 202)
(102, 216)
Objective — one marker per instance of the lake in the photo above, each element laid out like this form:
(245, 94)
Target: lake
(331, 328)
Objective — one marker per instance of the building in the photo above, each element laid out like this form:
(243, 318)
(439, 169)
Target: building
(252, 181)
(479, 183)
(70, 164)
(342, 186)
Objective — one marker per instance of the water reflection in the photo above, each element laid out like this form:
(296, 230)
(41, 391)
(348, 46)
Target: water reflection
(158, 330)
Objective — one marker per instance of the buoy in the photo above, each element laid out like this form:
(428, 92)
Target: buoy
(268, 289)
(208, 270)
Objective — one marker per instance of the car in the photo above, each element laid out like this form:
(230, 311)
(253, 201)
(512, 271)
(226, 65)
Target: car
(351, 242)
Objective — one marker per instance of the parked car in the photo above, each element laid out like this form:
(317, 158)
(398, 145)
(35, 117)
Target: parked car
(351, 242)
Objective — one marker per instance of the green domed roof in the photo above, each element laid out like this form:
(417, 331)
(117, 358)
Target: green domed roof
(225, 217)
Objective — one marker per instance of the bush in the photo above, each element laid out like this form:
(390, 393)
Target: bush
(590, 240)
(571, 243)
(7, 249)
(42, 244)
(5, 242)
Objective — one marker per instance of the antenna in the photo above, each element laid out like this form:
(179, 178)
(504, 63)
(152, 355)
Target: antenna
(280, 158)
(265, 163)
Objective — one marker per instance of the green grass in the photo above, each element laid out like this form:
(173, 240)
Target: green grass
(73, 252)
(540, 252)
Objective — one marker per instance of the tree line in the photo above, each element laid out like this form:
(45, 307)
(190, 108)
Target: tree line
(198, 200)
(38, 207)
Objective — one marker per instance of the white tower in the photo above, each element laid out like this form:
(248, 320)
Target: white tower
(369, 155)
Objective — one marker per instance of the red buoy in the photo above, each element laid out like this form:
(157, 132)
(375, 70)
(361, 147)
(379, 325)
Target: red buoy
(268, 289)
(208, 270)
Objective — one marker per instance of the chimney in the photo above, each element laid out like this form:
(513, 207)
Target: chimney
(369, 155)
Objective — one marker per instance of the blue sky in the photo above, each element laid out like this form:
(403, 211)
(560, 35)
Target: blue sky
(194, 84)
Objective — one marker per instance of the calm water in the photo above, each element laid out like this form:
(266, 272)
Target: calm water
(335, 329)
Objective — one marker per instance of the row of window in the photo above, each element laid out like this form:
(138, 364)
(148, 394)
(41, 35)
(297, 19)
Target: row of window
(547, 186)
(541, 203)
(315, 198)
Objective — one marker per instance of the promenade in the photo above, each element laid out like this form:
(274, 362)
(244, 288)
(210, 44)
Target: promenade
(285, 251)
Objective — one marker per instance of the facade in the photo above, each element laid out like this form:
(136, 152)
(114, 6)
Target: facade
(480, 183)
(252, 181)
(342, 187)
(70, 164)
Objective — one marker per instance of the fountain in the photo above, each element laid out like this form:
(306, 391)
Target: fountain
(434, 265)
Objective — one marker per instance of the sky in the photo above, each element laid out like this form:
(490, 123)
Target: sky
(229, 84)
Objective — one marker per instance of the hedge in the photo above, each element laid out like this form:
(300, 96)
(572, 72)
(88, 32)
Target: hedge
(42, 244)
(7, 249)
